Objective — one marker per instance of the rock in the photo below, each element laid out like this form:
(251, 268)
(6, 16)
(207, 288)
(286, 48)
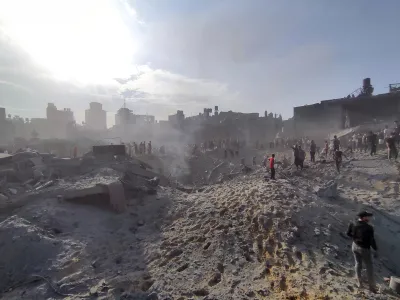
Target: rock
(215, 279)
(13, 191)
(118, 260)
(200, 292)
(152, 296)
(328, 190)
(220, 267)
(175, 253)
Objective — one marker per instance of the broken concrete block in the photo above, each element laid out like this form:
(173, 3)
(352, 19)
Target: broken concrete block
(107, 195)
(395, 284)
(13, 191)
(117, 196)
(328, 190)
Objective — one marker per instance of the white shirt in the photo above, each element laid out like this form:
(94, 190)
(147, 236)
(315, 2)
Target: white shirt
(386, 133)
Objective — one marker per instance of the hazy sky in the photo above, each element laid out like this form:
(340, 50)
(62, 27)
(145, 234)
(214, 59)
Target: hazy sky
(243, 55)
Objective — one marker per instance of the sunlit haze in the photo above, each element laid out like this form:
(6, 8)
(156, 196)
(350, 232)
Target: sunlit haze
(75, 40)
(247, 56)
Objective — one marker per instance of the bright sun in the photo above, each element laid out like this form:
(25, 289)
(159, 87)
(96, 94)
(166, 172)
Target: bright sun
(84, 40)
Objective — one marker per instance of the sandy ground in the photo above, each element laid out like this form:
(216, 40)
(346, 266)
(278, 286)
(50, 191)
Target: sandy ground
(245, 238)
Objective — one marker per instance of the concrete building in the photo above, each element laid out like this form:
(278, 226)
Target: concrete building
(7, 128)
(144, 119)
(337, 114)
(2, 114)
(177, 119)
(124, 116)
(58, 121)
(64, 116)
(96, 117)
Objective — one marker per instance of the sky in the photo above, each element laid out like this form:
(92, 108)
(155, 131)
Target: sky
(241, 55)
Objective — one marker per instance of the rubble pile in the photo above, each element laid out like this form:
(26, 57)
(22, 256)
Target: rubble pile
(27, 250)
(242, 237)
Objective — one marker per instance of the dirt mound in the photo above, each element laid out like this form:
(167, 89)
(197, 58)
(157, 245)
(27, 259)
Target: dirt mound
(24, 250)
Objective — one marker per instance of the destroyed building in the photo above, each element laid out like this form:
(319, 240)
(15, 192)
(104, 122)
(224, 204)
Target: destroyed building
(247, 126)
(358, 108)
(125, 116)
(7, 129)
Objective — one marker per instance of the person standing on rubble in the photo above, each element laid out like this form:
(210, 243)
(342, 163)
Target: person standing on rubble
(391, 146)
(338, 157)
(296, 156)
(149, 148)
(313, 148)
(272, 166)
(326, 149)
(365, 142)
(372, 140)
(75, 152)
(386, 132)
(336, 143)
(362, 234)
(396, 129)
(302, 157)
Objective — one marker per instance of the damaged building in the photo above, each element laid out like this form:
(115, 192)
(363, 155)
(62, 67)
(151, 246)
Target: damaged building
(360, 107)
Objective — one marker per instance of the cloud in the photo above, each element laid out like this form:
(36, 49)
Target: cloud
(165, 92)
(254, 46)
(239, 55)
(25, 85)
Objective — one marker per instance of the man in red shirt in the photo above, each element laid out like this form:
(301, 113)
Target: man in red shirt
(272, 166)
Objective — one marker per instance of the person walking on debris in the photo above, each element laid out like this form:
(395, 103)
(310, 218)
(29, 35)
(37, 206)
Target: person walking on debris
(149, 148)
(313, 148)
(391, 146)
(386, 132)
(365, 142)
(254, 160)
(272, 166)
(75, 152)
(372, 139)
(326, 149)
(336, 143)
(362, 234)
(338, 157)
(359, 142)
(397, 131)
(302, 157)
(296, 156)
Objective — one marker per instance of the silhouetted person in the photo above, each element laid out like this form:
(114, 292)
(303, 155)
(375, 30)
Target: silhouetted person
(338, 157)
(302, 157)
(313, 148)
(372, 140)
(391, 146)
(336, 143)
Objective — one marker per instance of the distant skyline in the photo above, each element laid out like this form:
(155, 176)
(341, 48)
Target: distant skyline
(247, 56)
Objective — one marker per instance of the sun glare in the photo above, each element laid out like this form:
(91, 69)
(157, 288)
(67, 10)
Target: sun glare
(86, 41)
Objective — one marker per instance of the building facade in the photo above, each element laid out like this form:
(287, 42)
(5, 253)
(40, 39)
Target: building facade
(96, 117)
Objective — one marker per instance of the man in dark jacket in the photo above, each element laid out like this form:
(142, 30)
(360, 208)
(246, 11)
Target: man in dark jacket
(373, 141)
(313, 148)
(362, 234)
